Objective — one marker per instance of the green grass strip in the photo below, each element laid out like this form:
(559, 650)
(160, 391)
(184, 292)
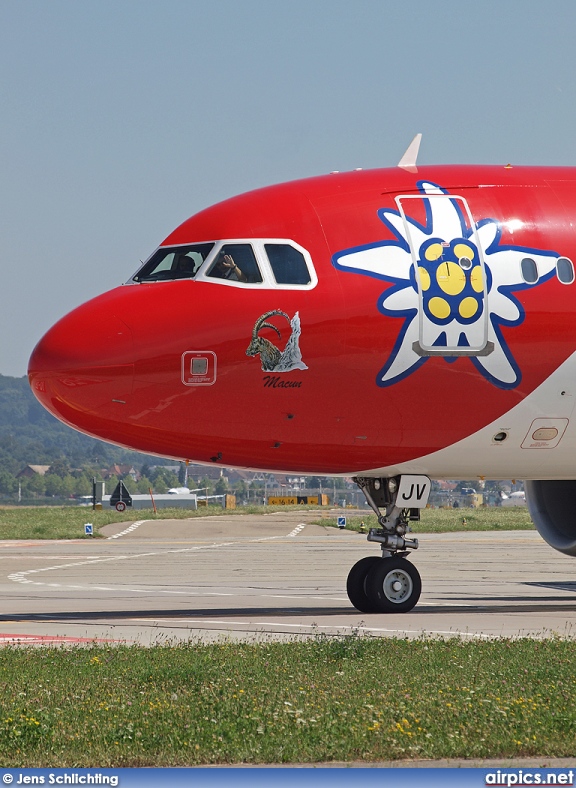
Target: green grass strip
(67, 522)
(343, 699)
(493, 518)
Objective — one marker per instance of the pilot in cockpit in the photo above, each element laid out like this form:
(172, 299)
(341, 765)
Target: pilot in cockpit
(185, 267)
(226, 268)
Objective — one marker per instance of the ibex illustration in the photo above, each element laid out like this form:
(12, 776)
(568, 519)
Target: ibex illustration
(269, 353)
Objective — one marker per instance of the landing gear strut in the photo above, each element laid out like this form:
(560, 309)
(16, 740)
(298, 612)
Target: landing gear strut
(390, 584)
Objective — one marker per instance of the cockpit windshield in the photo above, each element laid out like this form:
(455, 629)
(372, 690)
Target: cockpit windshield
(245, 263)
(174, 262)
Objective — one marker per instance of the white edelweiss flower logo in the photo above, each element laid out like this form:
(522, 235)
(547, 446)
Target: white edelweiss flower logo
(453, 286)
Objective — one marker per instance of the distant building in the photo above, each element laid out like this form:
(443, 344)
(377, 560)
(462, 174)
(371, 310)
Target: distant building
(33, 470)
(296, 482)
(122, 471)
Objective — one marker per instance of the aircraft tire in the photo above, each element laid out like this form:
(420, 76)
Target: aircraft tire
(356, 584)
(393, 585)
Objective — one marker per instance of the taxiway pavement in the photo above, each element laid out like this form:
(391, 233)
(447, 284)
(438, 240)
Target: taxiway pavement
(272, 576)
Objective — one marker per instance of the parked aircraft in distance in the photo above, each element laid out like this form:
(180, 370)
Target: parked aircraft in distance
(395, 325)
(514, 499)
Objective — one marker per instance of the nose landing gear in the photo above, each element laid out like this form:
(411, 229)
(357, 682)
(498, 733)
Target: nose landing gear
(390, 584)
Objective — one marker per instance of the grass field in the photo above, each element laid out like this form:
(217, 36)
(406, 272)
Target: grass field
(66, 522)
(342, 699)
(323, 700)
(446, 520)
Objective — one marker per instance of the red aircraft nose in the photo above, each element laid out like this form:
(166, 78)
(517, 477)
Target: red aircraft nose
(82, 370)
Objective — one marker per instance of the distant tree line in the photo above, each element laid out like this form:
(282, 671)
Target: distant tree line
(61, 481)
(31, 435)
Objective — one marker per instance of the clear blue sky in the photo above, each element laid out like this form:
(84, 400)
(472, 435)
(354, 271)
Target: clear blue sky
(120, 118)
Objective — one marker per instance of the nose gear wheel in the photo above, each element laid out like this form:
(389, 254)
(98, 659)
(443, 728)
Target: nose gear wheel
(393, 585)
(356, 584)
(389, 584)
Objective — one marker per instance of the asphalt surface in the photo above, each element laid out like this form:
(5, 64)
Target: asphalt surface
(272, 576)
(277, 576)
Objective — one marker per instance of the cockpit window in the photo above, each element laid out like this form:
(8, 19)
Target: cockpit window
(237, 263)
(174, 262)
(288, 264)
(271, 263)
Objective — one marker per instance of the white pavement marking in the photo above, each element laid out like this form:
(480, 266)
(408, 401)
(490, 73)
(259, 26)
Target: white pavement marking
(297, 530)
(311, 627)
(129, 529)
(323, 598)
(21, 577)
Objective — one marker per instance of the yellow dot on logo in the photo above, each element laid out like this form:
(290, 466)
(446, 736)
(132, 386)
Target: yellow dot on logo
(424, 278)
(476, 279)
(468, 307)
(433, 252)
(451, 278)
(463, 250)
(439, 307)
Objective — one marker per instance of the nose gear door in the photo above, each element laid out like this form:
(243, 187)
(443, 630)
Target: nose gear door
(450, 275)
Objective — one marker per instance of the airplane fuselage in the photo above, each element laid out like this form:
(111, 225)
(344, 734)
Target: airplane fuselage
(417, 340)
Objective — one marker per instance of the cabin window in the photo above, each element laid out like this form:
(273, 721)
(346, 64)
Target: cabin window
(236, 263)
(174, 262)
(565, 270)
(288, 264)
(529, 270)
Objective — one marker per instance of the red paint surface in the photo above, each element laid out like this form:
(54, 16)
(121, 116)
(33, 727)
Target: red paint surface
(127, 344)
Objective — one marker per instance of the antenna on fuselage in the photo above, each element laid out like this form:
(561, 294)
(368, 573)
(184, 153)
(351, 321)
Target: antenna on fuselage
(408, 161)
